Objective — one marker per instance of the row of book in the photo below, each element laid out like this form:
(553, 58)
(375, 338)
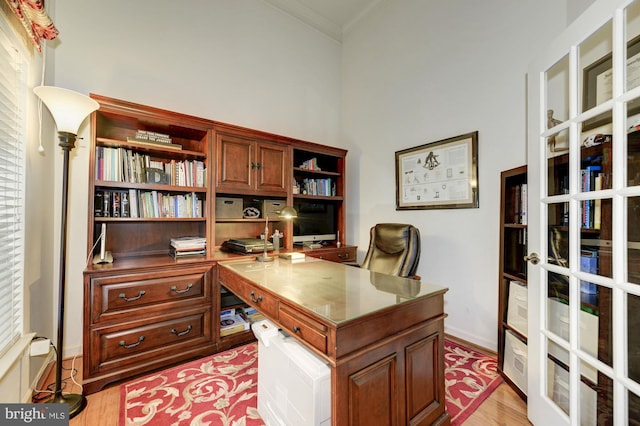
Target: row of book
(181, 247)
(519, 197)
(237, 320)
(310, 164)
(325, 187)
(135, 203)
(592, 179)
(588, 263)
(125, 165)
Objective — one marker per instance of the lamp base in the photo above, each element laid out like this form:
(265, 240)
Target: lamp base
(264, 258)
(76, 402)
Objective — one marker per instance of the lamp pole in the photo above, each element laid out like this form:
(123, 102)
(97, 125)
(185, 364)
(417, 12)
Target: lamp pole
(76, 402)
(68, 109)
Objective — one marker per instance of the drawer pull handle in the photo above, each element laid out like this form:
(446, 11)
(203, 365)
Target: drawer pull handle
(133, 345)
(131, 299)
(296, 329)
(343, 255)
(253, 299)
(181, 333)
(174, 288)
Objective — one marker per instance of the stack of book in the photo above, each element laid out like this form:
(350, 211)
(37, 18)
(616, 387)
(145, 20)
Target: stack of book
(232, 322)
(188, 246)
(251, 315)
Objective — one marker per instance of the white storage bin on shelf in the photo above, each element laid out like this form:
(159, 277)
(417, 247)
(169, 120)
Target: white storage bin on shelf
(559, 324)
(558, 390)
(515, 360)
(517, 309)
(294, 384)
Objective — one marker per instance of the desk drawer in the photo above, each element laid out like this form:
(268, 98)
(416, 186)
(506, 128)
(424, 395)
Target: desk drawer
(304, 327)
(118, 346)
(346, 254)
(128, 296)
(260, 300)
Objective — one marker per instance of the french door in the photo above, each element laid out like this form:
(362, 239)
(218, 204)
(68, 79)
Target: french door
(584, 222)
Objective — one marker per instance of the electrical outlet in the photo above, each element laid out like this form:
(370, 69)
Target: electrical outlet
(40, 347)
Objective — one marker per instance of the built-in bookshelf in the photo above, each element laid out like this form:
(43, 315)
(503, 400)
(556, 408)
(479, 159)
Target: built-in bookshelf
(512, 285)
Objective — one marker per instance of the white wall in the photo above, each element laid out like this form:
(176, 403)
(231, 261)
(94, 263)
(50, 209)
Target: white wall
(242, 62)
(419, 71)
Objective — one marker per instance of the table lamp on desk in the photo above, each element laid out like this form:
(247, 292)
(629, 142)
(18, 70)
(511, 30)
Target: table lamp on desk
(287, 213)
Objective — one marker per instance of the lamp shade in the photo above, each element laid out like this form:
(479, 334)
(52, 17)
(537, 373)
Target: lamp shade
(288, 213)
(68, 108)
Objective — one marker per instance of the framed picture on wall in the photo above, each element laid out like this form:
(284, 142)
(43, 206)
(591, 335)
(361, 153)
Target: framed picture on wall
(438, 175)
(598, 86)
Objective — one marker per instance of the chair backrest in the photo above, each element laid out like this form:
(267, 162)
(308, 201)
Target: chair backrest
(394, 249)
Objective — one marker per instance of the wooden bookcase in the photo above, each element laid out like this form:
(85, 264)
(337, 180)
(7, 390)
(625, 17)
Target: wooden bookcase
(147, 310)
(512, 285)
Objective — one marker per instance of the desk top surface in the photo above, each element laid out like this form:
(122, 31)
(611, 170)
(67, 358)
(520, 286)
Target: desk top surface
(335, 291)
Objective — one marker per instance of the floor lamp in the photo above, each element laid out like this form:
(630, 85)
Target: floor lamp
(286, 213)
(69, 109)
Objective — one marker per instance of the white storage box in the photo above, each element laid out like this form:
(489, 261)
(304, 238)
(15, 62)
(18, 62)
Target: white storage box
(294, 384)
(559, 324)
(515, 360)
(558, 390)
(517, 308)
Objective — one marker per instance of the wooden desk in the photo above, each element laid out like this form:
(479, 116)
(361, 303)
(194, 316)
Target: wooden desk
(383, 336)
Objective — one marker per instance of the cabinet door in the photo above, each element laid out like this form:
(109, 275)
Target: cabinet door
(235, 161)
(271, 166)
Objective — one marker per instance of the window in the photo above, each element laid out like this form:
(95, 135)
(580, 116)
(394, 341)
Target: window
(13, 99)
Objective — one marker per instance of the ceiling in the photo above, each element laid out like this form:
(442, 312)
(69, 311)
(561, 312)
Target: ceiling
(332, 17)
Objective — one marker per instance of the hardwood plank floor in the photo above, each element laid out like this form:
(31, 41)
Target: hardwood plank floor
(503, 407)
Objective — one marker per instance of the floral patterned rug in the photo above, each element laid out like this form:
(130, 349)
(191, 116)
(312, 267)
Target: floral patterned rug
(469, 378)
(222, 389)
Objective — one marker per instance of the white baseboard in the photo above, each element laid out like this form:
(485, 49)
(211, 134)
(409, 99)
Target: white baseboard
(473, 338)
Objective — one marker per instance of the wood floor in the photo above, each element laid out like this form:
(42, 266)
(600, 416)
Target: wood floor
(503, 407)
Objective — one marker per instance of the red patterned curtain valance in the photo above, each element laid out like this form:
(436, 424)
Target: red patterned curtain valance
(35, 20)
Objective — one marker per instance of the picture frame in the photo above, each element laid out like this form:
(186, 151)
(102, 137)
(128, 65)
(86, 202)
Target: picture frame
(439, 175)
(596, 83)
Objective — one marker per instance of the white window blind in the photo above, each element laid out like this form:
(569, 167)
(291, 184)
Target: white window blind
(13, 96)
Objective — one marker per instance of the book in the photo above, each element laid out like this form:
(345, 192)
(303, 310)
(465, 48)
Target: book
(156, 144)
(294, 255)
(588, 263)
(251, 314)
(230, 324)
(98, 203)
(181, 254)
(188, 242)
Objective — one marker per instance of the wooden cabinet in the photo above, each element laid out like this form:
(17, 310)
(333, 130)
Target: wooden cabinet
(512, 284)
(139, 320)
(246, 165)
(155, 175)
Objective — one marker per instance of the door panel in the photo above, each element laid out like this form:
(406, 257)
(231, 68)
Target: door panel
(584, 192)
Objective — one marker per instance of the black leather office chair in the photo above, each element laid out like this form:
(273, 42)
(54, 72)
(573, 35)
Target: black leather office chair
(394, 249)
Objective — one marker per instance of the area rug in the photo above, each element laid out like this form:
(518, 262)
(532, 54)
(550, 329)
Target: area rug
(222, 389)
(469, 378)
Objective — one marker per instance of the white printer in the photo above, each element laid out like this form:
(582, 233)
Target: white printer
(294, 384)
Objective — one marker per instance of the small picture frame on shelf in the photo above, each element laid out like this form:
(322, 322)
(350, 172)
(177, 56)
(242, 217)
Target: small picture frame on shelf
(438, 175)
(156, 176)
